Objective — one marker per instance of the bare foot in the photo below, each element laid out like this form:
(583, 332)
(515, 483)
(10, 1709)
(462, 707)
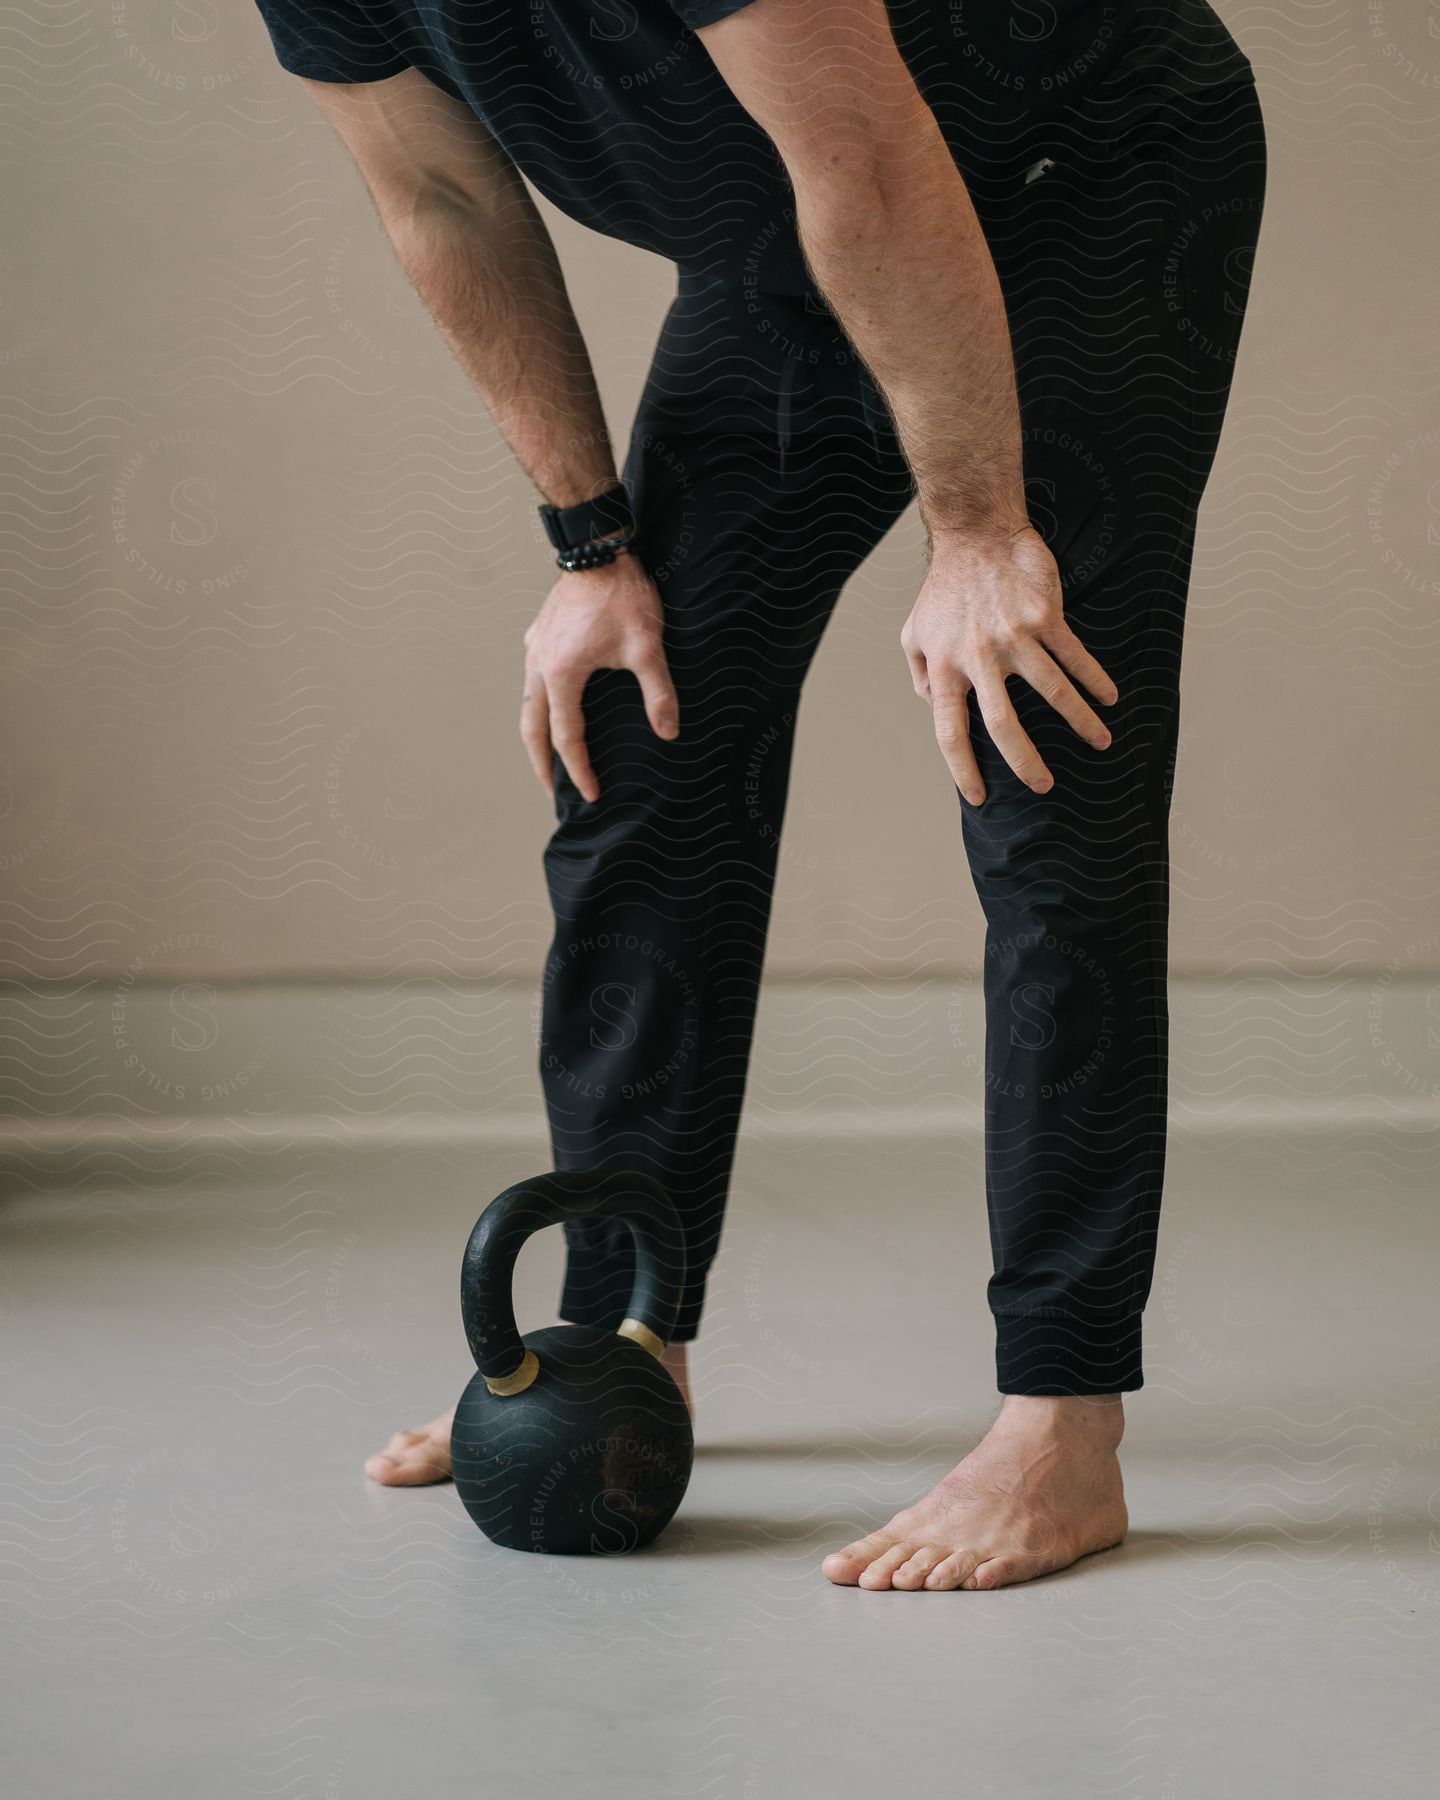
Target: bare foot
(1041, 1490)
(418, 1458)
(415, 1458)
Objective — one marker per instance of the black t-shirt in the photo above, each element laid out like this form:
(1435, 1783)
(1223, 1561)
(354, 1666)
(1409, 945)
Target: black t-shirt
(614, 110)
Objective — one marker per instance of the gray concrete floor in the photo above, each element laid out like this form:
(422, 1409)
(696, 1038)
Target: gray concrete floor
(203, 1595)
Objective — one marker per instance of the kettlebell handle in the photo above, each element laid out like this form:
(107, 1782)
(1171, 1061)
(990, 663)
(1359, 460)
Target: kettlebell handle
(487, 1303)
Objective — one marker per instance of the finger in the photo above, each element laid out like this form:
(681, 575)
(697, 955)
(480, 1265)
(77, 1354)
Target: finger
(919, 673)
(535, 731)
(567, 732)
(1008, 734)
(1048, 680)
(657, 690)
(1071, 654)
(952, 733)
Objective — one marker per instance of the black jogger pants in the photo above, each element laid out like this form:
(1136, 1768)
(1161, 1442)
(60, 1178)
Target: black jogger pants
(765, 469)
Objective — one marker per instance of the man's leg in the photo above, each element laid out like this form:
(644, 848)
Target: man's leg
(760, 489)
(760, 484)
(1122, 407)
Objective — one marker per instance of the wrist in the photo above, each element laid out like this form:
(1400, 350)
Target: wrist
(592, 533)
(992, 511)
(618, 571)
(600, 553)
(577, 491)
(991, 532)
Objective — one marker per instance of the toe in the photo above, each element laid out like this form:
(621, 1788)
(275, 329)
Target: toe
(950, 1571)
(911, 1573)
(845, 1566)
(1002, 1571)
(877, 1576)
(411, 1459)
(403, 1441)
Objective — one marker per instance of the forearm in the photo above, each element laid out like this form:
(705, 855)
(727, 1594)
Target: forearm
(490, 278)
(895, 246)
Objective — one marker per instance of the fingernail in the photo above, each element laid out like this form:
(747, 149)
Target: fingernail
(1042, 787)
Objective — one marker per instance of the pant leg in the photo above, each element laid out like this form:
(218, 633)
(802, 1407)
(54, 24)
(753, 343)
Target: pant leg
(1125, 271)
(759, 489)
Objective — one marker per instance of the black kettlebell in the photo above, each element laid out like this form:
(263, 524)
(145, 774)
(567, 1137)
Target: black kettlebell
(574, 1440)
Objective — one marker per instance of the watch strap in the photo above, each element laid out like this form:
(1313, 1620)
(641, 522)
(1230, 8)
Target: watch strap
(568, 527)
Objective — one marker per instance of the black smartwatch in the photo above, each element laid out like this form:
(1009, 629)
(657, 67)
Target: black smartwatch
(593, 533)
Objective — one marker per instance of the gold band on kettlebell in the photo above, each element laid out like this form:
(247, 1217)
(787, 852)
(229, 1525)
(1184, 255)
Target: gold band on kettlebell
(519, 1380)
(642, 1335)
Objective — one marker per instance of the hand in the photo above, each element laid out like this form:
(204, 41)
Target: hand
(991, 607)
(605, 618)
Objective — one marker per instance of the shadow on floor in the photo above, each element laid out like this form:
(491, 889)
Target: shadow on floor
(736, 1534)
(1349, 1533)
(950, 1445)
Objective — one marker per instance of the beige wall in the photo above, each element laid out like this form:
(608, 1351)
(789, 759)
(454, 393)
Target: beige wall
(269, 564)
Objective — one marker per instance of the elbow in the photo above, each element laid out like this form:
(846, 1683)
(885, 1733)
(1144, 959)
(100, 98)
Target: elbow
(861, 179)
(434, 193)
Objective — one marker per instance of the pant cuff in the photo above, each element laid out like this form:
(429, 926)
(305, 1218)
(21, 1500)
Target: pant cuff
(1049, 1354)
